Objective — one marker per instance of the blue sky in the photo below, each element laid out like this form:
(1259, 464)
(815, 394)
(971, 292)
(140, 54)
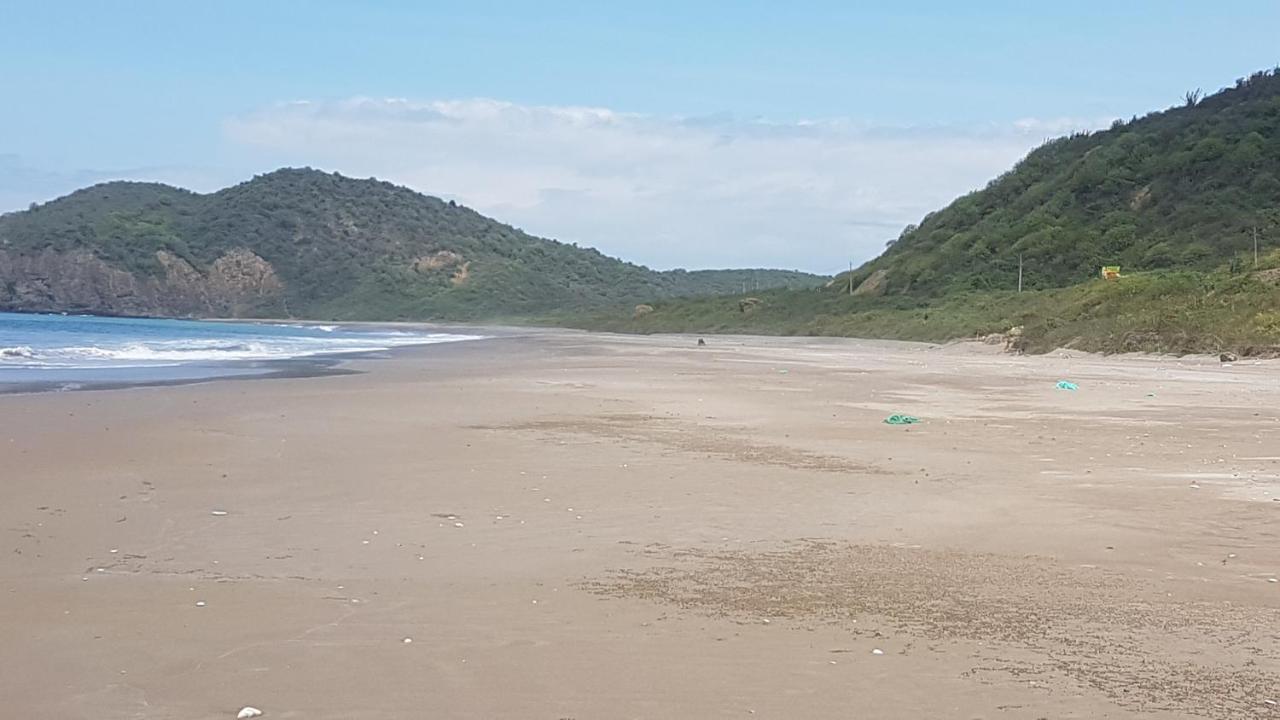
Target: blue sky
(694, 133)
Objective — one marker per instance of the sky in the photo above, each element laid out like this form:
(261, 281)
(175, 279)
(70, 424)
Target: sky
(674, 134)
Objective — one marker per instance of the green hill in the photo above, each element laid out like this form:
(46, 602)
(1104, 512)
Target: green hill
(1174, 198)
(1183, 188)
(311, 244)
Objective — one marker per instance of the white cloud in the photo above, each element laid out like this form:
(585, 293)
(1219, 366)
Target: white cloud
(665, 191)
(1059, 126)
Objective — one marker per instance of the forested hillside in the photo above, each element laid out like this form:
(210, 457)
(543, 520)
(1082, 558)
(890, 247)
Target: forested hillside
(311, 244)
(1183, 188)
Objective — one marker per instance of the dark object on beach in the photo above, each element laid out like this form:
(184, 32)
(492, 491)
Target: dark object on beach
(702, 343)
(1227, 357)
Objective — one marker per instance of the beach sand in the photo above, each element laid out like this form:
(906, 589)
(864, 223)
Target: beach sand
(579, 526)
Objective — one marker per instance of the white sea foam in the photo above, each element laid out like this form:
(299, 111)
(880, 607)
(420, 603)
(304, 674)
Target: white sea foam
(322, 328)
(152, 353)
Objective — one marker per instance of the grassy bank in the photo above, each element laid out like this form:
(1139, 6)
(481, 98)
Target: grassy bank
(1174, 312)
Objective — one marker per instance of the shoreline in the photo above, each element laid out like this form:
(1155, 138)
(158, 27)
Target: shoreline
(200, 374)
(340, 363)
(53, 378)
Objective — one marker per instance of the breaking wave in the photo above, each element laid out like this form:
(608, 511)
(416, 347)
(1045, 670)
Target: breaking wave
(212, 350)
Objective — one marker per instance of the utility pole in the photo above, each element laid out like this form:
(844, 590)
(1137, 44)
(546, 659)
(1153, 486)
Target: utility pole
(1019, 272)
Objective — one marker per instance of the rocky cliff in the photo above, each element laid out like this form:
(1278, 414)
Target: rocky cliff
(237, 284)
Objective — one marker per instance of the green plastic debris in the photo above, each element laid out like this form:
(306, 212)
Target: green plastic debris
(901, 420)
(1066, 385)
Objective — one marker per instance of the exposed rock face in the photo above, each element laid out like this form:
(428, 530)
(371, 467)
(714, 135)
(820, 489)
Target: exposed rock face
(241, 283)
(461, 275)
(1140, 198)
(237, 284)
(445, 260)
(436, 261)
(875, 285)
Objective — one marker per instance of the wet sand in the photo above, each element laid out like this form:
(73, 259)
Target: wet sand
(579, 526)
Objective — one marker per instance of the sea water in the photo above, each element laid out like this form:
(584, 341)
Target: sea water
(42, 349)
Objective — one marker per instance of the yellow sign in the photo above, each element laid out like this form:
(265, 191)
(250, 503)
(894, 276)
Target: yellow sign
(1110, 272)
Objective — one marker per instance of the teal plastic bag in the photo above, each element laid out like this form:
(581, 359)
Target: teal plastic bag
(901, 420)
(1066, 385)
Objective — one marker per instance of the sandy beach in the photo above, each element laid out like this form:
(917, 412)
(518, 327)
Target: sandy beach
(562, 525)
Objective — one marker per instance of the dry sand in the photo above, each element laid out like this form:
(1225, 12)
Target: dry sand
(576, 526)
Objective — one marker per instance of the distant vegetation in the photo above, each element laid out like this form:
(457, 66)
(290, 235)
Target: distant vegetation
(1170, 311)
(1184, 188)
(1175, 198)
(348, 249)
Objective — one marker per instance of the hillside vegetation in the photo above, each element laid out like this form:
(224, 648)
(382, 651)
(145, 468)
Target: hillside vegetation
(311, 244)
(1175, 198)
(1183, 189)
(1173, 312)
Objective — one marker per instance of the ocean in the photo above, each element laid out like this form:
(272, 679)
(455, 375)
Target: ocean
(68, 350)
